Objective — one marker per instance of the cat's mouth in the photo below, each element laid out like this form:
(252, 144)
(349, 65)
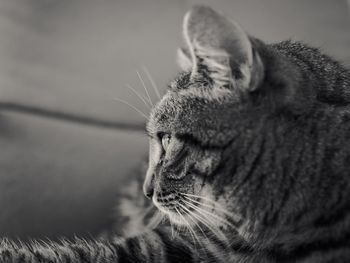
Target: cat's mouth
(192, 211)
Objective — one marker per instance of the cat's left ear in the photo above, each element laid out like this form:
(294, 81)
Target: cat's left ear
(218, 47)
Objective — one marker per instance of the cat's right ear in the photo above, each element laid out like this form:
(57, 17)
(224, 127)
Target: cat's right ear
(219, 48)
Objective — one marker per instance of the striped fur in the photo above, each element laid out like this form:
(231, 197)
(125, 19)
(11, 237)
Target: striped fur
(249, 160)
(152, 246)
(259, 143)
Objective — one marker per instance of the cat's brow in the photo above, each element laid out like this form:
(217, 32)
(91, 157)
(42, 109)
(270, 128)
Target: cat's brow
(189, 138)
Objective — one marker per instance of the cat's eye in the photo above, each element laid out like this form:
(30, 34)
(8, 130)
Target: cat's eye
(166, 141)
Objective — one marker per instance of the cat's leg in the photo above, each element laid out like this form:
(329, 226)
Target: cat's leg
(151, 246)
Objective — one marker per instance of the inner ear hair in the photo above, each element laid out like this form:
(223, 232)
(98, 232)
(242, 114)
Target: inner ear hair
(215, 64)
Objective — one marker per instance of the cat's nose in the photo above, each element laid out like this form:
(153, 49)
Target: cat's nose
(148, 191)
(148, 188)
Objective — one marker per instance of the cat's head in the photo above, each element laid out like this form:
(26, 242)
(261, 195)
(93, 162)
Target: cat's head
(208, 120)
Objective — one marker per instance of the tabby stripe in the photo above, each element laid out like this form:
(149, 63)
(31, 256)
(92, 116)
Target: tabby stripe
(122, 255)
(253, 163)
(176, 250)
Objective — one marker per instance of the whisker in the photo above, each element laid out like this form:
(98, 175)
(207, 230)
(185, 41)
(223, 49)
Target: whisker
(202, 197)
(172, 229)
(198, 239)
(193, 231)
(144, 86)
(190, 214)
(207, 221)
(138, 95)
(208, 244)
(215, 205)
(136, 109)
(153, 83)
(209, 224)
(189, 226)
(209, 214)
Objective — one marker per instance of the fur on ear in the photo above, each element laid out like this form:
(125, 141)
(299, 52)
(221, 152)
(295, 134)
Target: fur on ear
(219, 48)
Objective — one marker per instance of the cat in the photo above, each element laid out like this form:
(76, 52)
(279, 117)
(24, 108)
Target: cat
(248, 159)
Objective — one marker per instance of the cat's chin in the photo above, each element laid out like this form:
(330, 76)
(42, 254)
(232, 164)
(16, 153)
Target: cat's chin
(174, 217)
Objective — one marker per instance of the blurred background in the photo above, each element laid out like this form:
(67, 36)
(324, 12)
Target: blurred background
(59, 178)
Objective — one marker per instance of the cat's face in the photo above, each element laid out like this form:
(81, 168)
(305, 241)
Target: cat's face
(188, 135)
(194, 128)
(192, 125)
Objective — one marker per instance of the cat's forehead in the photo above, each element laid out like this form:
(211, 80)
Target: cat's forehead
(184, 100)
(189, 107)
(168, 114)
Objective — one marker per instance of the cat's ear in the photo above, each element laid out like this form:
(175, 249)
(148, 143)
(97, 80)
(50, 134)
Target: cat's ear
(220, 48)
